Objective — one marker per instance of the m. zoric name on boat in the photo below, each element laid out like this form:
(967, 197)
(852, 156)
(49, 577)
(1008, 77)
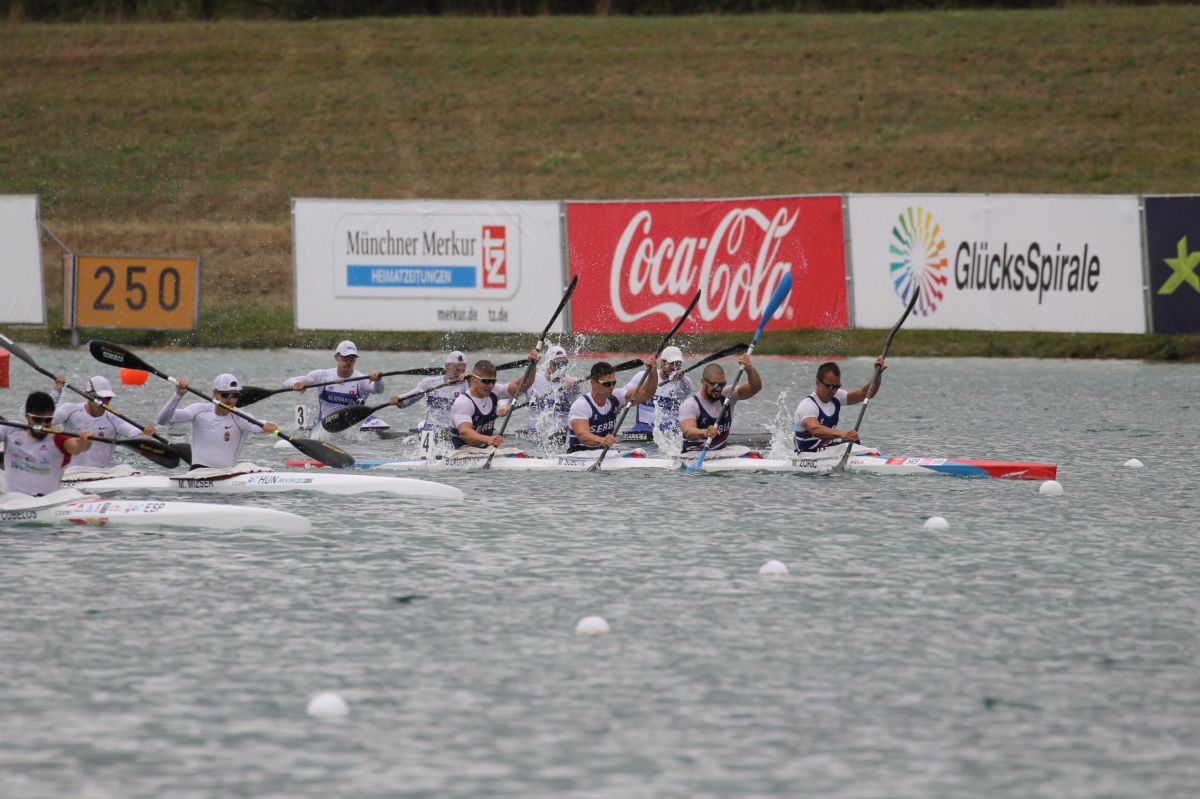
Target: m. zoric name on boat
(804, 463)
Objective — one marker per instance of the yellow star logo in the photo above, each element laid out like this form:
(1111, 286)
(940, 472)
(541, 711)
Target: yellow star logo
(1184, 264)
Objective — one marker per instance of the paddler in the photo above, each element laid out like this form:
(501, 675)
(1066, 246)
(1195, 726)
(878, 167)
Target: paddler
(34, 459)
(673, 388)
(593, 417)
(474, 413)
(816, 417)
(447, 387)
(551, 396)
(339, 395)
(217, 434)
(706, 415)
(93, 415)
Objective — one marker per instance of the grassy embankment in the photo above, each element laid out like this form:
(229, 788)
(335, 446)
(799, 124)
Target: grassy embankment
(191, 138)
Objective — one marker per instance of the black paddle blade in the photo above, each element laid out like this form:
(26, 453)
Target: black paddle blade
(625, 367)
(116, 355)
(323, 451)
(185, 452)
(513, 365)
(19, 351)
(253, 394)
(341, 420)
(160, 453)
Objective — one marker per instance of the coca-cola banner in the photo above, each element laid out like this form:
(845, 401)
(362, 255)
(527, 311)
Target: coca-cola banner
(640, 263)
(998, 262)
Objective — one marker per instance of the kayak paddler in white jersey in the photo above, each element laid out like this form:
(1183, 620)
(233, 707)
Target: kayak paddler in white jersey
(593, 416)
(217, 434)
(446, 388)
(75, 417)
(339, 395)
(474, 413)
(705, 414)
(673, 388)
(33, 460)
(551, 396)
(817, 416)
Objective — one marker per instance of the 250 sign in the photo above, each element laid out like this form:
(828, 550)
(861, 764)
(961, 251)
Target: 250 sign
(150, 292)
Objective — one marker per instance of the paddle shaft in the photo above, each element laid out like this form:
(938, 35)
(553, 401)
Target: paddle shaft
(873, 386)
(662, 345)
(163, 455)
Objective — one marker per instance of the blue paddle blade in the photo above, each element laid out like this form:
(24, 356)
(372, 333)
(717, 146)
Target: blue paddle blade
(781, 292)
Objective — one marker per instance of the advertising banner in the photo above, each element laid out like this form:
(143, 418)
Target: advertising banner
(640, 263)
(427, 265)
(1173, 253)
(998, 262)
(23, 298)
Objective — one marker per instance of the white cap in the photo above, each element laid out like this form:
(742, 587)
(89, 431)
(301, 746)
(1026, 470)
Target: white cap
(671, 355)
(456, 357)
(346, 348)
(100, 387)
(226, 382)
(556, 352)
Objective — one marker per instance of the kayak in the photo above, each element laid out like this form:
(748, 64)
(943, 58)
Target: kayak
(273, 482)
(69, 506)
(864, 459)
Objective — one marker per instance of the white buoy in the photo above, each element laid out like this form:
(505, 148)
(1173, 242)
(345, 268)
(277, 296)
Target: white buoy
(773, 568)
(1051, 488)
(328, 706)
(1134, 463)
(937, 523)
(592, 625)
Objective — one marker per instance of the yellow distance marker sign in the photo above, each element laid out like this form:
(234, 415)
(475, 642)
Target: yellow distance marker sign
(151, 292)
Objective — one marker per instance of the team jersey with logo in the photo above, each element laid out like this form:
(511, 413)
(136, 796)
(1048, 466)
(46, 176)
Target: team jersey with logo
(438, 402)
(550, 403)
(667, 399)
(602, 421)
(479, 411)
(33, 466)
(707, 413)
(826, 413)
(339, 395)
(216, 440)
(73, 417)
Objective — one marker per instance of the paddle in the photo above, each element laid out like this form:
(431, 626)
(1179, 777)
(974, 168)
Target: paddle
(160, 453)
(621, 367)
(184, 451)
(736, 349)
(116, 355)
(887, 345)
(351, 415)
(527, 378)
(781, 292)
(253, 394)
(662, 345)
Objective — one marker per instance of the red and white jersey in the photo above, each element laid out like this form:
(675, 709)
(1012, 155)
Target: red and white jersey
(73, 417)
(33, 465)
(216, 440)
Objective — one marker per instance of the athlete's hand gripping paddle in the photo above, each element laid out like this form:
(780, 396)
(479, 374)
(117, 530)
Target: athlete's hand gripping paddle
(662, 345)
(781, 292)
(116, 355)
(178, 451)
(872, 387)
(530, 370)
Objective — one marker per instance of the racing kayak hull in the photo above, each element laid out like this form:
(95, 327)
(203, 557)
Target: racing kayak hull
(72, 507)
(275, 482)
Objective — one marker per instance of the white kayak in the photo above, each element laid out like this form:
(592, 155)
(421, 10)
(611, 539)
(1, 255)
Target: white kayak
(863, 459)
(273, 482)
(69, 506)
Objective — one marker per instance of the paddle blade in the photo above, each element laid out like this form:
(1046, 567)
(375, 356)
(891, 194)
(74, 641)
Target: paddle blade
(513, 365)
(346, 418)
(781, 291)
(116, 355)
(425, 371)
(185, 452)
(19, 351)
(162, 454)
(253, 394)
(625, 367)
(323, 451)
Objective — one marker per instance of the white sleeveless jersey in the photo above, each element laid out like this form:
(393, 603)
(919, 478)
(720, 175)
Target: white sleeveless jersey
(33, 466)
(73, 417)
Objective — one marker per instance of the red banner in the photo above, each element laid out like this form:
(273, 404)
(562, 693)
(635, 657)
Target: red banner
(640, 263)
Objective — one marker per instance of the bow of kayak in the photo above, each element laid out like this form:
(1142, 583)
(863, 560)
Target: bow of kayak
(274, 482)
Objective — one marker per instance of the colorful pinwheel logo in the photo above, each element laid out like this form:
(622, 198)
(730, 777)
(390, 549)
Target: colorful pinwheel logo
(918, 258)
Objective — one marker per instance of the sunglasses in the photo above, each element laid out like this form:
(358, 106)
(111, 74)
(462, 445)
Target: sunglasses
(606, 383)
(41, 420)
(229, 394)
(717, 386)
(486, 380)
(830, 386)
(559, 364)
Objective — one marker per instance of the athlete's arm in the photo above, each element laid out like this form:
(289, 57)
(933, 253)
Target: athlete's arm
(859, 394)
(753, 383)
